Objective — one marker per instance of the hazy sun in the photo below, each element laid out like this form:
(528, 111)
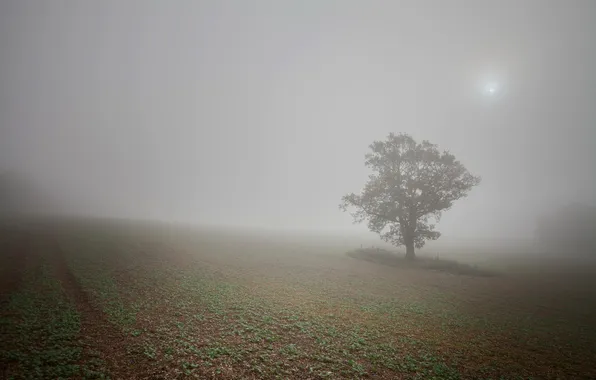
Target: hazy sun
(491, 89)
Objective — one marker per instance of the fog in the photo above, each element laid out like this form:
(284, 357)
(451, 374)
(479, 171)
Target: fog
(259, 113)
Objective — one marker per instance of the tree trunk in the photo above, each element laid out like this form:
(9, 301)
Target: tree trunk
(410, 255)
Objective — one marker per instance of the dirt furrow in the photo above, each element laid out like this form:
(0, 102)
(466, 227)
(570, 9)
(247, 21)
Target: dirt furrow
(15, 252)
(14, 262)
(105, 347)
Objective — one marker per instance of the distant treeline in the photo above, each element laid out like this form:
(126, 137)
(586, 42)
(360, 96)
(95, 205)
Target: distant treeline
(569, 231)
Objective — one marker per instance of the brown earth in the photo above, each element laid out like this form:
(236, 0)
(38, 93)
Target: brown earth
(100, 339)
(13, 262)
(347, 286)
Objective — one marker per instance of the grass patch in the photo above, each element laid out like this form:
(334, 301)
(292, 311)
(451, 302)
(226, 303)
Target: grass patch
(385, 257)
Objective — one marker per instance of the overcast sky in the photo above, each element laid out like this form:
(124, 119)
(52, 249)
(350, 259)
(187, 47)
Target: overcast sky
(260, 112)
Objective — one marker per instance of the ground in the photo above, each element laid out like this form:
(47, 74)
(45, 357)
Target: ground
(125, 301)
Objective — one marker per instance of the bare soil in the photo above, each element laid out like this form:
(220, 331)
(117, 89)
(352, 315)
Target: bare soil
(99, 338)
(252, 310)
(15, 251)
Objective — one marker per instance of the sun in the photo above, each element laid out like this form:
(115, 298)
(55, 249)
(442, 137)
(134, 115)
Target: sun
(491, 89)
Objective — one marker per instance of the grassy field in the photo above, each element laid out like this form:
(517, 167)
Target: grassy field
(124, 301)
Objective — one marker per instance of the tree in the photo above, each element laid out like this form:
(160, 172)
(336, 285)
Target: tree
(412, 184)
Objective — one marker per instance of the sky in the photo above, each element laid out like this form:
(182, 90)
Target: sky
(259, 113)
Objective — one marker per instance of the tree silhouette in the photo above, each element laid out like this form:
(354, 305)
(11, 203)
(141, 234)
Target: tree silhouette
(412, 184)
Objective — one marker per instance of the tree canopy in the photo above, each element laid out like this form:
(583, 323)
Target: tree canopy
(411, 185)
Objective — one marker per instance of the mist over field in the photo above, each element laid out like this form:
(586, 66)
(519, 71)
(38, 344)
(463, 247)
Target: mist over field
(285, 189)
(260, 113)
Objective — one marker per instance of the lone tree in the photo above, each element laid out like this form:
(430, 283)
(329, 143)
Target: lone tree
(412, 184)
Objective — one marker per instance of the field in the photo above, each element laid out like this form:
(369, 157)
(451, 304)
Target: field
(124, 301)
